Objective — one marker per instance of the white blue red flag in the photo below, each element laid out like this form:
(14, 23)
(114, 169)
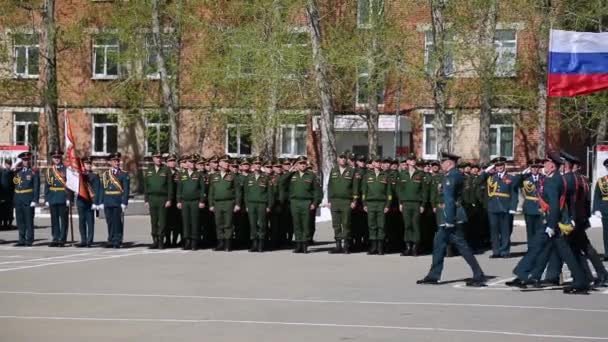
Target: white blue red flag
(578, 63)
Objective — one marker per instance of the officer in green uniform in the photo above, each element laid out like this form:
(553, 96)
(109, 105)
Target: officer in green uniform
(305, 195)
(410, 188)
(158, 193)
(359, 217)
(286, 219)
(27, 192)
(203, 228)
(343, 194)
(174, 226)
(276, 211)
(241, 219)
(190, 200)
(259, 199)
(224, 196)
(376, 195)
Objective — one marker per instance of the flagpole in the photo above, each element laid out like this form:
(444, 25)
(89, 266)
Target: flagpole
(65, 120)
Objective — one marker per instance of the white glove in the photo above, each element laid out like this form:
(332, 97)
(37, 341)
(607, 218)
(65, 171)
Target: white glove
(526, 171)
(124, 207)
(93, 207)
(512, 212)
(100, 207)
(597, 213)
(33, 204)
(549, 232)
(46, 204)
(67, 203)
(489, 168)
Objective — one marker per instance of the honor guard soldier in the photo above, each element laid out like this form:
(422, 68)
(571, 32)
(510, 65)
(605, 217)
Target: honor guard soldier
(57, 199)
(600, 206)
(376, 196)
(453, 217)
(410, 189)
(158, 193)
(259, 199)
(305, 195)
(88, 206)
(533, 215)
(7, 193)
(27, 192)
(224, 196)
(114, 198)
(190, 200)
(174, 226)
(343, 194)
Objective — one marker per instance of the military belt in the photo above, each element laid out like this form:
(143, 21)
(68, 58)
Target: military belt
(57, 188)
(26, 191)
(500, 194)
(113, 193)
(531, 198)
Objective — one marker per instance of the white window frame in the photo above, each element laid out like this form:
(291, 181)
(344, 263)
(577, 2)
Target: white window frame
(159, 126)
(27, 125)
(106, 47)
(148, 46)
(425, 126)
(105, 125)
(498, 128)
(449, 70)
(238, 141)
(500, 50)
(293, 128)
(27, 47)
(366, 104)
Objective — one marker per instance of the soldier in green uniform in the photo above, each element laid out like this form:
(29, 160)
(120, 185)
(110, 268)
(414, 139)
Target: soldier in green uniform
(276, 211)
(158, 193)
(259, 199)
(359, 217)
(410, 190)
(286, 219)
(174, 226)
(305, 195)
(224, 196)
(393, 221)
(473, 207)
(376, 195)
(342, 194)
(190, 200)
(241, 219)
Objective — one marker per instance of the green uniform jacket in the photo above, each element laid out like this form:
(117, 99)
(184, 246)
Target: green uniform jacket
(471, 193)
(411, 189)
(258, 190)
(345, 185)
(158, 183)
(305, 187)
(376, 188)
(435, 196)
(191, 187)
(224, 188)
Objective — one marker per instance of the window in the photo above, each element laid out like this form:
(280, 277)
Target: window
(157, 132)
(366, 9)
(105, 134)
(293, 140)
(295, 58)
(430, 55)
(26, 54)
(501, 136)
(363, 88)
(429, 136)
(505, 44)
(238, 140)
(105, 57)
(151, 62)
(25, 129)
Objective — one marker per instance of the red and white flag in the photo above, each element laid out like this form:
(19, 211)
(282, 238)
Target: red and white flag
(74, 179)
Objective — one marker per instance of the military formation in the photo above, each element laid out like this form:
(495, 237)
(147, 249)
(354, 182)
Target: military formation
(377, 205)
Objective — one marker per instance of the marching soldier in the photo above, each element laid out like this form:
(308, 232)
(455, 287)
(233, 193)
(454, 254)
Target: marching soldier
(114, 198)
(376, 195)
(7, 192)
(57, 200)
(532, 211)
(27, 192)
(305, 195)
(174, 226)
(224, 196)
(87, 207)
(259, 199)
(600, 206)
(190, 200)
(410, 189)
(158, 192)
(343, 195)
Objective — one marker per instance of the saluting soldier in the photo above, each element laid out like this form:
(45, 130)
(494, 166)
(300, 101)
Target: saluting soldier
(343, 194)
(158, 193)
(376, 195)
(473, 207)
(87, 206)
(57, 199)
(259, 200)
(410, 189)
(190, 200)
(533, 214)
(27, 193)
(114, 199)
(305, 195)
(224, 198)
(7, 192)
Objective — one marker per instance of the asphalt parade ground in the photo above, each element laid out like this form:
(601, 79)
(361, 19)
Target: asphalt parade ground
(137, 294)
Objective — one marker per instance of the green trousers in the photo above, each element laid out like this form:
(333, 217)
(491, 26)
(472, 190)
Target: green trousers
(158, 215)
(375, 220)
(191, 220)
(301, 214)
(224, 211)
(258, 220)
(411, 221)
(341, 218)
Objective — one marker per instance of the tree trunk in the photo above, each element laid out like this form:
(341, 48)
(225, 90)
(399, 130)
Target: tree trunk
(373, 115)
(321, 72)
(438, 75)
(542, 58)
(168, 83)
(49, 81)
(487, 69)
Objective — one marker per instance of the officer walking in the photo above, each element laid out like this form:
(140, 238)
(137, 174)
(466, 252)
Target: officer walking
(114, 198)
(87, 207)
(600, 206)
(57, 199)
(376, 195)
(410, 189)
(224, 196)
(158, 193)
(259, 199)
(533, 214)
(450, 228)
(190, 200)
(27, 192)
(343, 193)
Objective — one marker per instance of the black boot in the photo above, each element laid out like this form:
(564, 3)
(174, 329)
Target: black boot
(338, 248)
(372, 247)
(166, 242)
(154, 243)
(407, 250)
(305, 247)
(261, 245)
(254, 245)
(220, 245)
(194, 245)
(380, 247)
(186, 245)
(297, 249)
(346, 246)
(228, 245)
(174, 241)
(161, 243)
(415, 250)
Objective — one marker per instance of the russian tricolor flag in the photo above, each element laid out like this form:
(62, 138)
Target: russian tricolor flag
(578, 63)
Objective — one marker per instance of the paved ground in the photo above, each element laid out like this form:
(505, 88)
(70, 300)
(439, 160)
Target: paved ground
(136, 294)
